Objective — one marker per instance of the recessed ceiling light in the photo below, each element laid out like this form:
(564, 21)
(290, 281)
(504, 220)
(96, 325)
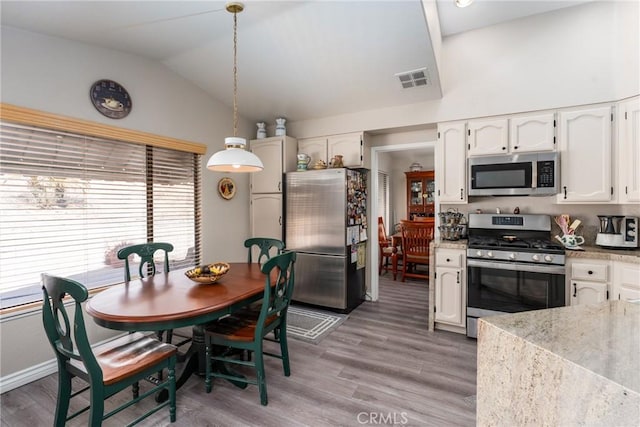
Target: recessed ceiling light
(463, 3)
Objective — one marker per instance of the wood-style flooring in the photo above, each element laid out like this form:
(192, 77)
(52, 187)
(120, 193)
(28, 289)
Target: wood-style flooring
(380, 367)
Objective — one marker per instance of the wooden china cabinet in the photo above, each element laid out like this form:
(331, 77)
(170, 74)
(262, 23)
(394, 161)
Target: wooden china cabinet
(420, 194)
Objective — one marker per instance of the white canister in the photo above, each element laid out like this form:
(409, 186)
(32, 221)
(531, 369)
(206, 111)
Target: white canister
(262, 130)
(281, 130)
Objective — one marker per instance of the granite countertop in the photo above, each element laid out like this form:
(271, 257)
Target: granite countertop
(596, 252)
(601, 338)
(450, 244)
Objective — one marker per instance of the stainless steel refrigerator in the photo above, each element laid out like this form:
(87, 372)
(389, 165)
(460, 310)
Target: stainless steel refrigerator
(326, 224)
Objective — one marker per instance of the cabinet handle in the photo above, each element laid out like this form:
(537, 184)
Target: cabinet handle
(280, 220)
(461, 193)
(565, 192)
(279, 186)
(458, 278)
(504, 148)
(589, 272)
(448, 260)
(575, 290)
(515, 147)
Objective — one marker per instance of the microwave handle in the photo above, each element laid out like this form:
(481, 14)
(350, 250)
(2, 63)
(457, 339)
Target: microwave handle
(534, 174)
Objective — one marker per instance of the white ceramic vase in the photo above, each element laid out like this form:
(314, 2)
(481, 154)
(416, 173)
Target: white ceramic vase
(281, 130)
(262, 130)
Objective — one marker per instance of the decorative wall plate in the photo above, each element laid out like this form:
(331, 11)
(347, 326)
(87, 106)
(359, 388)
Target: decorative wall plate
(110, 99)
(227, 188)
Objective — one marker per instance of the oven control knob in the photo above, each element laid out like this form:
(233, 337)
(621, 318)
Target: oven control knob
(512, 255)
(479, 254)
(548, 258)
(489, 254)
(535, 257)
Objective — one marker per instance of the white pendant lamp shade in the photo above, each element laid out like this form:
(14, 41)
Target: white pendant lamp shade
(234, 158)
(463, 3)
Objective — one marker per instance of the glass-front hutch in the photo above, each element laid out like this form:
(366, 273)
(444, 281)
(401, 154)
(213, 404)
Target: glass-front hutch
(420, 194)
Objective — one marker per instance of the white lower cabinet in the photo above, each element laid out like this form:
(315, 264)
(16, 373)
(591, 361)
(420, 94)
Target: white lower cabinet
(450, 289)
(266, 215)
(588, 281)
(626, 281)
(588, 292)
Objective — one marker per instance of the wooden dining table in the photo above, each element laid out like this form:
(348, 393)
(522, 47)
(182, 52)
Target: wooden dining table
(172, 300)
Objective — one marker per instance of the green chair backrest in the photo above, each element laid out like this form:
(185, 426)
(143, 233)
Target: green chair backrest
(278, 289)
(68, 341)
(145, 251)
(265, 244)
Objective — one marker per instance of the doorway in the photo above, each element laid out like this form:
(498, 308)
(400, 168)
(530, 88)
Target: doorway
(425, 146)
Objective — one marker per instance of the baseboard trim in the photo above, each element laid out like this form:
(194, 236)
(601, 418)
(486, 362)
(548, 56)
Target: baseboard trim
(26, 376)
(34, 373)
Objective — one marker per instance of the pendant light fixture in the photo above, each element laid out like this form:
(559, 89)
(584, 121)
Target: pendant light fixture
(234, 158)
(463, 3)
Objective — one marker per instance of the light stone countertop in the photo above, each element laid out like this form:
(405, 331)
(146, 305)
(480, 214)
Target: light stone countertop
(602, 338)
(567, 366)
(596, 252)
(450, 244)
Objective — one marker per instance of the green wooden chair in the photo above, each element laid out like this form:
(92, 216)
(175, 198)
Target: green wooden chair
(246, 330)
(265, 244)
(107, 368)
(146, 252)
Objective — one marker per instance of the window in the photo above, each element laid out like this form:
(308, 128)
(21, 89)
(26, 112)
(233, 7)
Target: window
(70, 202)
(383, 198)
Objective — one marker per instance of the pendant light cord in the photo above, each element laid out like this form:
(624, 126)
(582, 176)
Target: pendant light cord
(235, 74)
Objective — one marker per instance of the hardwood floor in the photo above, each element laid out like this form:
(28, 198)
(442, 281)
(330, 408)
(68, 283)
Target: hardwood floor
(380, 367)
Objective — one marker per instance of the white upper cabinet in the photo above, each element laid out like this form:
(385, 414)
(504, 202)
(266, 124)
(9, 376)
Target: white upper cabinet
(532, 133)
(488, 137)
(349, 146)
(628, 118)
(524, 133)
(325, 148)
(315, 148)
(451, 163)
(278, 155)
(584, 142)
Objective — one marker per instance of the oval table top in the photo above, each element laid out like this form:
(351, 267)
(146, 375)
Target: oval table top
(172, 300)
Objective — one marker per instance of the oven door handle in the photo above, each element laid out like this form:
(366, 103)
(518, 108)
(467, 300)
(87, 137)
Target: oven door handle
(517, 266)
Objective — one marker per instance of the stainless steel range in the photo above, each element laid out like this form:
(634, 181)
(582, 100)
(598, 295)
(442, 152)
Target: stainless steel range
(512, 266)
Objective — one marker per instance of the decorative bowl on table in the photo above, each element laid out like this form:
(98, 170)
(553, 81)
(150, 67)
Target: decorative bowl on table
(209, 273)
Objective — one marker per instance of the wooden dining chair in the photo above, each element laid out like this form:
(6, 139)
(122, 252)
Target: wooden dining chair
(108, 368)
(416, 236)
(146, 252)
(148, 267)
(247, 330)
(386, 249)
(266, 246)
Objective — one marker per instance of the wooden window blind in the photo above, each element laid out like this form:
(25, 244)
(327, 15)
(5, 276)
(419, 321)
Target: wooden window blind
(70, 201)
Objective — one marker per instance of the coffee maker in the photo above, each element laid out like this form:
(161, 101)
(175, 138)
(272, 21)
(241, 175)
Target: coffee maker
(618, 232)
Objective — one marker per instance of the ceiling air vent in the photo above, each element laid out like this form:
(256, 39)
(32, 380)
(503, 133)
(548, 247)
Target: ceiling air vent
(414, 78)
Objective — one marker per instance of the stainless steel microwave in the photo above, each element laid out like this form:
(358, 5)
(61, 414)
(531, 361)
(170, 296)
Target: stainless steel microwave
(531, 174)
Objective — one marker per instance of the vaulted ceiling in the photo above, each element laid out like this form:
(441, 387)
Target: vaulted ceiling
(296, 59)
